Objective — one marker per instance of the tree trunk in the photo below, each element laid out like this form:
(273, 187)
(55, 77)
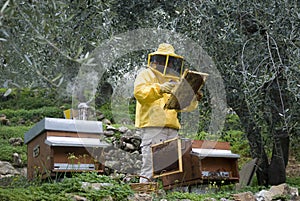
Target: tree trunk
(256, 145)
(258, 151)
(276, 100)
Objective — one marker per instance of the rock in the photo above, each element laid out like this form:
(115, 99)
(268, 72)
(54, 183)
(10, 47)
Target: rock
(140, 196)
(111, 128)
(293, 191)
(7, 170)
(94, 186)
(276, 191)
(106, 121)
(245, 196)
(22, 171)
(263, 195)
(78, 198)
(296, 198)
(108, 133)
(17, 160)
(128, 147)
(123, 129)
(101, 117)
(16, 141)
(3, 120)
(281, 189)
(210, 199)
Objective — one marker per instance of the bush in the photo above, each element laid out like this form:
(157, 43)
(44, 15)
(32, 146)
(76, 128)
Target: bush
(29, 99)
(7, 150)
(29, 117)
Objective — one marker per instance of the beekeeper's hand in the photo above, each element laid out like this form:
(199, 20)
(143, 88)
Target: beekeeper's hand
(166, 87)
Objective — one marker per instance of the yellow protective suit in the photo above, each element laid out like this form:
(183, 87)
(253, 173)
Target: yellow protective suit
(150, 101)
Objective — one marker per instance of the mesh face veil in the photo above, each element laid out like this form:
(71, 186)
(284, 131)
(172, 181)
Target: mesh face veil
(166, 61)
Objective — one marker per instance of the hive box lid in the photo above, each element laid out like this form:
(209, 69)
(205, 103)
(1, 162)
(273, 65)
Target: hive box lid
(202, 153)
(67, 125)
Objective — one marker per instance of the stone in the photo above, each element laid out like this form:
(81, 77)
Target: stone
(140, 196)
(294, 191)
(210, 199)
(106, 121)
(17, 160)
(94, 186)
(123, 129)
(245, 196)
(3, 120)
(111, 128)
(263, 195)
(6, 169)
(16, 141)
(108, 133)
(281, 189)
(78, 198)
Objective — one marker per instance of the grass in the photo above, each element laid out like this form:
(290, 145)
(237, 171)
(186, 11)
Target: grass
(65, 189)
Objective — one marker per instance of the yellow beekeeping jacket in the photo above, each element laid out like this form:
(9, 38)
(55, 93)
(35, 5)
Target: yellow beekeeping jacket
(150, 102)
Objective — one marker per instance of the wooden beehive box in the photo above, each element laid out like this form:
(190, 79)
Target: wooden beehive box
(200, 162)
(217, 162)
(64, 145)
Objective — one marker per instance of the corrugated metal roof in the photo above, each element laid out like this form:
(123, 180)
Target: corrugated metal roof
(67, 125)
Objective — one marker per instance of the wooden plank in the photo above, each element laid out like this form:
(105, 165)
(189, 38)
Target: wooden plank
(38, 157)
(72, 134)
(246, 173)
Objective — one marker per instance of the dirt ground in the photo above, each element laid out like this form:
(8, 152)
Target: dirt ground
(293, 168)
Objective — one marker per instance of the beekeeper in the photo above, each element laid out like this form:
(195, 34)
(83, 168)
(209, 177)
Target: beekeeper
(152, 89)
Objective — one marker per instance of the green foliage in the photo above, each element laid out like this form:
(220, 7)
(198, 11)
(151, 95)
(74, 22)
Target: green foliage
(209, 192)
(7, 132)
(29, 99)
(234, 134)
(294, 181)
(67, 188)
(7, 150)
(106, 110)
(28, 117)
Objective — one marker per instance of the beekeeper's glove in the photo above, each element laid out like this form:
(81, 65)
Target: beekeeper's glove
(166, 87)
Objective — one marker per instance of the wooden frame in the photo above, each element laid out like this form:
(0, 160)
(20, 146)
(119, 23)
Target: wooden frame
(167, 158)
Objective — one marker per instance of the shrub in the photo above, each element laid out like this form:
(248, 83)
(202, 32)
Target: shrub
(29, 99)
(28, 117)
(7, 150)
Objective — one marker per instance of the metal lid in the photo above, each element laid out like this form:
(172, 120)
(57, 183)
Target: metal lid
(202, 153)
(67, 125)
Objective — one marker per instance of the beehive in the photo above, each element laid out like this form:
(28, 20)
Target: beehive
(64, 145)
(198, 162)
